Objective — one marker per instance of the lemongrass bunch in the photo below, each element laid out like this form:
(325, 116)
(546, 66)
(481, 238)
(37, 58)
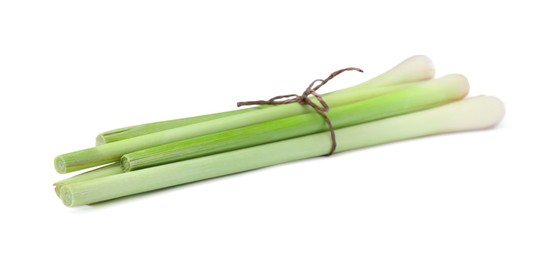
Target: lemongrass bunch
(413, 69)
(420, 96)
(469, 114)
(402, 103)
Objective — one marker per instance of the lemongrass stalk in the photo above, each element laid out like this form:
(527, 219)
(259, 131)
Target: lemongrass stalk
(104, 171)
(143, 129)
(412, 99)
(416, 68)
(469, 114)
(112, 152)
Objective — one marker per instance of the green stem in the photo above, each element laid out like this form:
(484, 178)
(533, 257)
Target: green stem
(416, 68)
(112, 152)
(470, 114)
(421, 96)
(138, 130)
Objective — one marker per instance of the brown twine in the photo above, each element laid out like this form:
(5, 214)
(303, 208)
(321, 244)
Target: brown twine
(305, 100)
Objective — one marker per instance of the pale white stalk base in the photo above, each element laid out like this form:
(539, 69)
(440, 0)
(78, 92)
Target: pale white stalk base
(470, 114)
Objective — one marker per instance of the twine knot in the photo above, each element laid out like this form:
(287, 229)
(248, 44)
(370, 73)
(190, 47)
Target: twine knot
(304, 99)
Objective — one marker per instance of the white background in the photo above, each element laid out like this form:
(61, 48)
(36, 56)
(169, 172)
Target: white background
(72, 69)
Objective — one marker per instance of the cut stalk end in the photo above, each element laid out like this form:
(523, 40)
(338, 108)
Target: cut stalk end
(125, 162)
(67, 196)
(100, 140)
(60, 164)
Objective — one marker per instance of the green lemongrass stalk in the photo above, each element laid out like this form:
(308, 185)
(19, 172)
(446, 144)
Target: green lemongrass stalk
(416, 68)
(112, 152)
(469, 114)
(412, 99)
(137, 130)
(104, 171)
